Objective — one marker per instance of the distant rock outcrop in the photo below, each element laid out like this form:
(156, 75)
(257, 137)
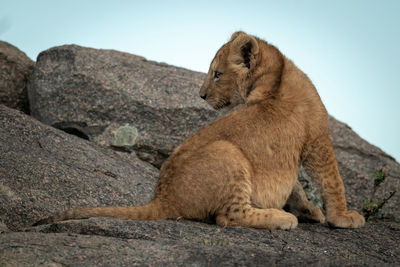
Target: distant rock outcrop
(15, 68)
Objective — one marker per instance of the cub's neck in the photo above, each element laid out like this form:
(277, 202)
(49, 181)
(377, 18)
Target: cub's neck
(265, 79)
(276, 78)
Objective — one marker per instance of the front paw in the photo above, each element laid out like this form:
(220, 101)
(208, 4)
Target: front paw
(347, 219)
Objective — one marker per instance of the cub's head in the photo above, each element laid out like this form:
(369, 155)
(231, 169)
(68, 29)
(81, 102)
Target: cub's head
(228, 80)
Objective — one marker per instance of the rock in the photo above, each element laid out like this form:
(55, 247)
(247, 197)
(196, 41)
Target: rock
(44, 170)
(96, 93)
(101, 241)
(15, 68)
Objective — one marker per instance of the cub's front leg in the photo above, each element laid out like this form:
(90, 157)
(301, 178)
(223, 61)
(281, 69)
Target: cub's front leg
(301, 207)
(320, 164)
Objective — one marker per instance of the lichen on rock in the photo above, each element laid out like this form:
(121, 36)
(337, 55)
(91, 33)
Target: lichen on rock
(125, 136)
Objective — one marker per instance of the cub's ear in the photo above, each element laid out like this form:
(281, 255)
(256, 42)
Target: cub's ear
(236, 34)
(244, 48)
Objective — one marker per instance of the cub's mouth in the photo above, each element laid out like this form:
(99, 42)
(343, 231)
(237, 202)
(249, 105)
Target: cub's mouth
(222, 105)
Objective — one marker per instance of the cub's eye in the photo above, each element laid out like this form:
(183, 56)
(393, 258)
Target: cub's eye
(217, 74)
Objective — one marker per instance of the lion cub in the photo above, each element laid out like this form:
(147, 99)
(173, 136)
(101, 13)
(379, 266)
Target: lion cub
(242, 168)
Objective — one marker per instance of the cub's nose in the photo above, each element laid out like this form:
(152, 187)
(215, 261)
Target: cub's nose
(203, 96)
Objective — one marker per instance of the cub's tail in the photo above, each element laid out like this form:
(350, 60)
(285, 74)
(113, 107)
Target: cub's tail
(152, 211)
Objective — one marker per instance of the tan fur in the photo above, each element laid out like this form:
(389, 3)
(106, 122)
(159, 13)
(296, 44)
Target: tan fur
(242, 168)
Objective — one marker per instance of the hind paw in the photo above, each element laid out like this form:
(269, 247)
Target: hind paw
(347, 219)
(288, 222)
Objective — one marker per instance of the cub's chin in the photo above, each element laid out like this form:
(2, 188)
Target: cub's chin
(227, 105)
(223, 106)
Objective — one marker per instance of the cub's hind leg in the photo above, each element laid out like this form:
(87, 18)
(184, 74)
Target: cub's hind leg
(300, 206)
(237, 214)
(237, 211)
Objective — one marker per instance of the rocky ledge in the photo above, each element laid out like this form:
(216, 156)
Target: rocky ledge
(102, 122)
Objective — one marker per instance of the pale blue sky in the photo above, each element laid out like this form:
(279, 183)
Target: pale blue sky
(350, 49)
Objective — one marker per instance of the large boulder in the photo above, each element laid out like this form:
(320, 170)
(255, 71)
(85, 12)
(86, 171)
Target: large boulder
(15, 68)
(44, 170)
(117, 99)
